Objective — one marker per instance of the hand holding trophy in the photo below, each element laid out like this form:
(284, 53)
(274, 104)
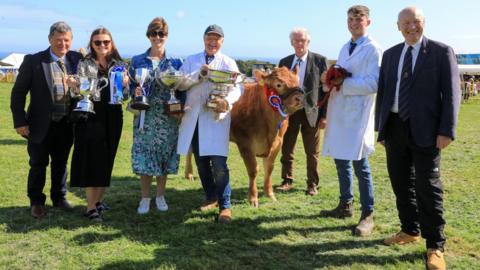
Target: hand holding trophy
(222, 82)
(143, 79)
(171, 78)
(87, 87)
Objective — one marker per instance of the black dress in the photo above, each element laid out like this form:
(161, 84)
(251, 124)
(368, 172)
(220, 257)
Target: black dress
(96, 141)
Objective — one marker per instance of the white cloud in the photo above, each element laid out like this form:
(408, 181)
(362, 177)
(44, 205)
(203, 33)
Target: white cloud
(180, 14)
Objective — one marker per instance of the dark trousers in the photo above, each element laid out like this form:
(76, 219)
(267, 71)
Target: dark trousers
(214, 175)
(56, 146)
(311, 143)
(415, 177)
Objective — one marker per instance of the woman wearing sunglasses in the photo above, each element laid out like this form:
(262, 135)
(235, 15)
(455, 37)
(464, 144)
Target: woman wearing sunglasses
(96, 137)
(155, 136)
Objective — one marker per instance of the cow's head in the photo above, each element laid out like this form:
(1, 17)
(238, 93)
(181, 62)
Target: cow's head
(285, 83)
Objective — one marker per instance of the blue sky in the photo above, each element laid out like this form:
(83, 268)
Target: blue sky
(253, 29)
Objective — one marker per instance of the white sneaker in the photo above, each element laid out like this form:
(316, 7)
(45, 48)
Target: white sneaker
(161, 204)
(144, 206)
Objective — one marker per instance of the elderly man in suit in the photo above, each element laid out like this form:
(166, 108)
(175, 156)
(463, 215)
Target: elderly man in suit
(45, 124)
(308, 121)
(349, 134)
(416, 115)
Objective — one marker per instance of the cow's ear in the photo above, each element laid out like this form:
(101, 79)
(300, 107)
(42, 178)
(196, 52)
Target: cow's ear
(259, 75)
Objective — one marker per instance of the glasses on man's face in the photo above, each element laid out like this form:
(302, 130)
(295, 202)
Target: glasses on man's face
(100, 42)
(160, 34)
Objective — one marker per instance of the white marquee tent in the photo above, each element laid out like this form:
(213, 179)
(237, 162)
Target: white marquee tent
(12, 61)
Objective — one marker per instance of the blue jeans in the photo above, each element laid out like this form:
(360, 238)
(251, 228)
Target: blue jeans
(214, 175)
(365, 183)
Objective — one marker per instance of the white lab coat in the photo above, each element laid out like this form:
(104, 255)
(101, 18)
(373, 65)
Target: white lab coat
(349, 134)
(213, 129)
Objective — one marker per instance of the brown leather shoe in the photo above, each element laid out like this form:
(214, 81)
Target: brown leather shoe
(365, 225)
(435, 259)
(225, 216)
(285, 186)
(38, 211)
(401, 238)
(343, 210)
(64, 205)
(208, 205)
(311, 190)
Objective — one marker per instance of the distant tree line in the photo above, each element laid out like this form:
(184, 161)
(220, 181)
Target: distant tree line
(245, 67)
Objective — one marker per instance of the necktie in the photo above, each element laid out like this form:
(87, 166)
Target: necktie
(209, 58)
(352, 47)
(62, 66)
(297, 64)
(405, 83)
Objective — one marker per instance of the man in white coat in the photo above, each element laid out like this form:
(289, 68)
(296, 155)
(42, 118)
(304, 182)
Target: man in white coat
(206, 131)
(349, 133)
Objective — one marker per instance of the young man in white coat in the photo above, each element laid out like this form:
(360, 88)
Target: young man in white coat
(207, 130)
(349, 133)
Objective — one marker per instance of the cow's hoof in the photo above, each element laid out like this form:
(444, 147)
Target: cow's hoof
(272, 197)
(254, 203)
(189, 176)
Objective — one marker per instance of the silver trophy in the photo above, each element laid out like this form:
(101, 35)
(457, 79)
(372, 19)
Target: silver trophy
(225, 76)
(222, 82)
(143, 79)
(171, 78)
(88, 87)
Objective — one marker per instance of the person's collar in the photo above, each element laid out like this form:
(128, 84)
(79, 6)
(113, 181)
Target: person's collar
(304, 57)
(360, 40)
(415, 46)
(55, 57)
(215, 55)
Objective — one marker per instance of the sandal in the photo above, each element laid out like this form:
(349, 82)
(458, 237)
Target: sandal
(101, 207)
(93, 215)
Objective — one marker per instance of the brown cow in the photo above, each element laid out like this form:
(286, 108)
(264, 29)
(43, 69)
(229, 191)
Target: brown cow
(258, 128)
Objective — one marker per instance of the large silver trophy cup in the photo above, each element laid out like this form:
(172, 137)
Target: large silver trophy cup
(88, 88)
(143, 78)
(171, 78)
(222, 82)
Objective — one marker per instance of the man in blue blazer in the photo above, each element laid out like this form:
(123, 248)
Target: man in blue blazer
(45, 123)
(416, 114)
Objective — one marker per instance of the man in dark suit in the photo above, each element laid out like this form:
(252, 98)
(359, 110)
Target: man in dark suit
(416, 114)
(45, 124)
(310, 66)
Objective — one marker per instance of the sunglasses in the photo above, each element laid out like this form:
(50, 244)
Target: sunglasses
(99, 42)
(160, 34)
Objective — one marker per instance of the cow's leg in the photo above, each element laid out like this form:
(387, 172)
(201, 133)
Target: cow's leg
(188, 166)
(252, 169)
(268, 164)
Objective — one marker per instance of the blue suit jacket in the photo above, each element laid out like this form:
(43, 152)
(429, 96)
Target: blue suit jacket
(434, 95)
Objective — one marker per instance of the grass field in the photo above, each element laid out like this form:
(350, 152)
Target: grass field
(288, 234)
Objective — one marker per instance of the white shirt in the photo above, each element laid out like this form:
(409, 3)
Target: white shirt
(303, 67)
(416, 49)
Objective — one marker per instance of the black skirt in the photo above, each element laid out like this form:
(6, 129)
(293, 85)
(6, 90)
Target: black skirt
(96, 141)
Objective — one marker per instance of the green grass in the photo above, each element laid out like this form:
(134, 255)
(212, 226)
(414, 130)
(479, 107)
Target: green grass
(288, 234)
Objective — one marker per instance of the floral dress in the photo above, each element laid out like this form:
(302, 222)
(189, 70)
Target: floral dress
(154, 147)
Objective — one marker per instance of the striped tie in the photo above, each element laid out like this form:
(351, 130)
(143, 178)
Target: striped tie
(297, 65)
(405, 83)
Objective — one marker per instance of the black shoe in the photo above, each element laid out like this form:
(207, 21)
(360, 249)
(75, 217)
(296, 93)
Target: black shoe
(93, 215)
(63, 204)
(101, 207)
(343, 210)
